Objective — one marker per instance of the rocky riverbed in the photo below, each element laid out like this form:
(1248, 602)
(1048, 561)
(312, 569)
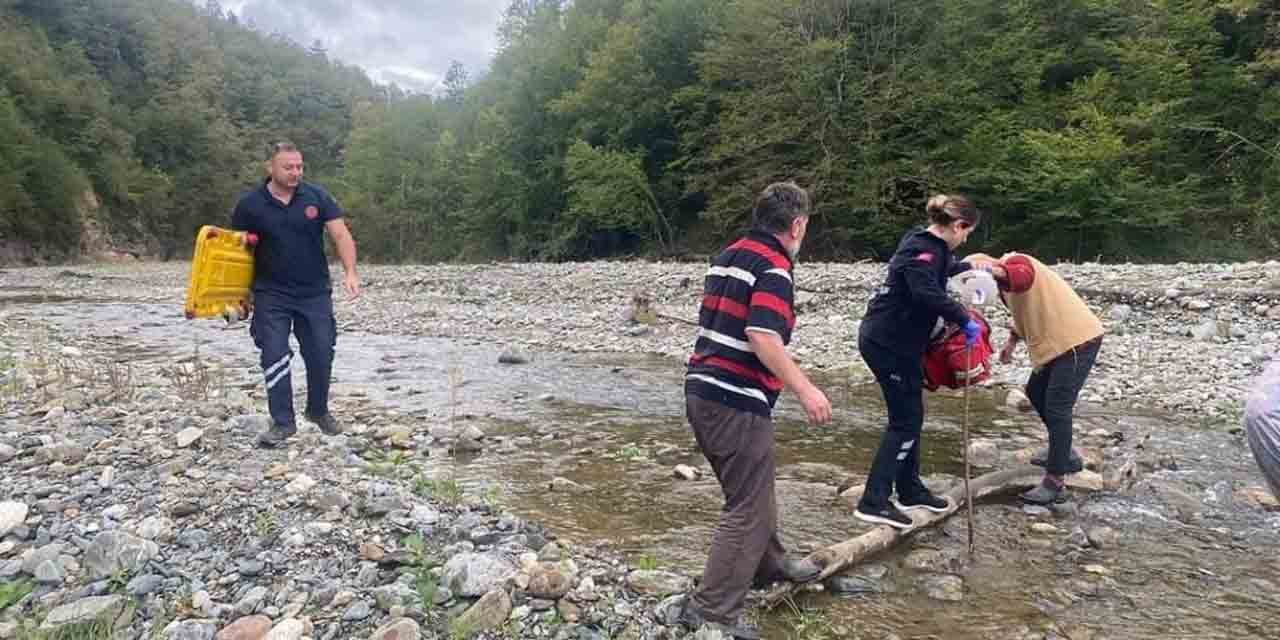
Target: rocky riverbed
(132, 496)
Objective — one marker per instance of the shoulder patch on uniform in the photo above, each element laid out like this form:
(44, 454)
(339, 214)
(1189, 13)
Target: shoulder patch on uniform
(312, 212)
(925, 257)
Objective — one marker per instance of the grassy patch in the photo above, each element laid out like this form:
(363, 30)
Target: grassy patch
(12, 592)
(647, 563)
(446, 491)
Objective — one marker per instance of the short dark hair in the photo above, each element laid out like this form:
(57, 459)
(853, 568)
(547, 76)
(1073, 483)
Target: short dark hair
(778, 206)
(278, 148)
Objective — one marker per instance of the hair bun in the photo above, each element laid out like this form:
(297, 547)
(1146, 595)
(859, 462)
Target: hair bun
(937, 204)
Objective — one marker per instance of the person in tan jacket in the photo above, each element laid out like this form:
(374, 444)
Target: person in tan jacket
(1063, 338)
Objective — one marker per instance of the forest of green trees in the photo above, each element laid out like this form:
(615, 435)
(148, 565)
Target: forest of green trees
(1120, 129)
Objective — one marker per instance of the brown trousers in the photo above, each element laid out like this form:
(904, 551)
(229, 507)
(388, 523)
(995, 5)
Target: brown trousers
(739, 446)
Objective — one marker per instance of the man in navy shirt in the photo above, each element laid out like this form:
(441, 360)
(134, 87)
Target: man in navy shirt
(291, 290)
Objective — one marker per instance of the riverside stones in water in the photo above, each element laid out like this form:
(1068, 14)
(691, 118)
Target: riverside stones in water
(943, 587)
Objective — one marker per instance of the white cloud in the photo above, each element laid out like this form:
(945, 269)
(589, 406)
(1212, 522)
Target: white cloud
(409, 42)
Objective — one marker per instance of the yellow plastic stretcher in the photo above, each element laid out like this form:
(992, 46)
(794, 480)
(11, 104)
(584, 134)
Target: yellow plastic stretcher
(221, 274)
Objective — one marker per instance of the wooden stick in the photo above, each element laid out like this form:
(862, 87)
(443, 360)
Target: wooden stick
(842, 555)
(968, 495)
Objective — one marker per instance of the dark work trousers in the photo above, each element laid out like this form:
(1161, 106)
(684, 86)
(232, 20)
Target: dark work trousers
(739, 446)
(1053, 390)
(312, 321)
(897, 461)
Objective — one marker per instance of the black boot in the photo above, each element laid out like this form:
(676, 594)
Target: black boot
(276, 435)
(328, 425)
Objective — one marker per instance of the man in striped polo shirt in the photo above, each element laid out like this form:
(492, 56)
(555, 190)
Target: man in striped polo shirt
(738, 367)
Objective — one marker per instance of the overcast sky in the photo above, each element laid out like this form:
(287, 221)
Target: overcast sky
(409, 42)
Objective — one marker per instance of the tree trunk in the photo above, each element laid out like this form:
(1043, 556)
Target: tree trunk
(842, 555)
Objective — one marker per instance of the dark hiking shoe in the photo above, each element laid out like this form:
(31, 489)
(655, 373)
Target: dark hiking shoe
(797, 570)
(888, 514)
(926, 501)
(1047, 492)
(691, 618)
(1074, 465)
(327, 424)
(276, 435)
(800, 570)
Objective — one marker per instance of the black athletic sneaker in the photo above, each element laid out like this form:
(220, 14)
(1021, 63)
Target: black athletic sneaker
(888, 514)
(926, 501)
(327, 424)
(276, 435)
(1074, 465)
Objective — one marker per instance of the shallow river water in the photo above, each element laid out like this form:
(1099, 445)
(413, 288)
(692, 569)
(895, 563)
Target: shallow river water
(615, 424)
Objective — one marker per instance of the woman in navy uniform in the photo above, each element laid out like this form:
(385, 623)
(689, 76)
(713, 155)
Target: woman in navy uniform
(892, 340)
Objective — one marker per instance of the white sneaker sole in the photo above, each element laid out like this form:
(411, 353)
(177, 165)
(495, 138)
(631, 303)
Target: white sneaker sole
(874, 519)
(926, 507)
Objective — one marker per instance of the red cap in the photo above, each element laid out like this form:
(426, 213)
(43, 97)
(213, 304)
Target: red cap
(1022, 274)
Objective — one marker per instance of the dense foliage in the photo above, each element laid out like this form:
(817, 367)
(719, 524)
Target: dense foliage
(1084, 128)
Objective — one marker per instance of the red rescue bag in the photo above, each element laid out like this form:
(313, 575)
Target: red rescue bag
(946, 363)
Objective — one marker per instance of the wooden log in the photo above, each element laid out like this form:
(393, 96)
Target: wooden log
(842, 555)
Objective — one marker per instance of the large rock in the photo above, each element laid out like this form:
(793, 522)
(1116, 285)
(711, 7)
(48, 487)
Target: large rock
(252, 601)
(943, 587)
(115, 551)
(549, 580)
(12, 514)
(246, 628)
(1206, 331)
(1086, 481)
(158, 528)
(1103, 537)
(36, 557)
(301, 484)
(489, 612)
(470, 575)
(189, 436)
(1120, 312)
(658, 583)
(190, 630)
(288, 629)
(565, 485)
(110, 611)
(402, 629)
(984, 453)
(1257, 497)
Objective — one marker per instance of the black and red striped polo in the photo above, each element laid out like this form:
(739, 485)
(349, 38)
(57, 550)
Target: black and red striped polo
(748, 288)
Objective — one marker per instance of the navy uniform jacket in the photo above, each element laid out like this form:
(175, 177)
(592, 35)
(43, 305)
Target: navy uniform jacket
(903, 312)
